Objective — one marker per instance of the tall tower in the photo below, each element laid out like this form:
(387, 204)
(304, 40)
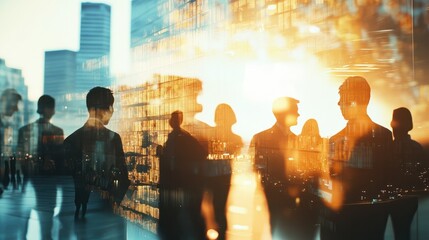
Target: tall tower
(60, 73)
(93, 58)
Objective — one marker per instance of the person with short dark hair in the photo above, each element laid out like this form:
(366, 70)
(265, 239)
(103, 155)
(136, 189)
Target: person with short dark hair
(40, 148)
(409, 155)
(181, 184)
(360, 169)
(43, 141)
(95, 154)
(275, 155)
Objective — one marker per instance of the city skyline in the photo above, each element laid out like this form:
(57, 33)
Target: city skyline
(31, 28)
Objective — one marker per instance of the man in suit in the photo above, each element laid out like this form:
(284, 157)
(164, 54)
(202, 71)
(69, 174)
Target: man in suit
(359, 168)
(42, 140)
(95, 154)
(181, 184)
(275, 154)
(40, 147)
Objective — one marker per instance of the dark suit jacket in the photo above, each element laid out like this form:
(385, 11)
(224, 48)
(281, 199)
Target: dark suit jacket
(361, 159)
(274, 148)
(182, 161)
(95, 150)
(43, 140)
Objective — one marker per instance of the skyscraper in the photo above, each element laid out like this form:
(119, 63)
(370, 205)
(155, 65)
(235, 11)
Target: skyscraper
(93, 58)
(60, 73)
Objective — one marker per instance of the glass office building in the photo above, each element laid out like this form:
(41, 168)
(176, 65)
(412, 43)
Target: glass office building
(93, 57)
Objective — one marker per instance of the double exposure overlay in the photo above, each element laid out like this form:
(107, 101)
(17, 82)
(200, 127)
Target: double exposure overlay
(235, 119)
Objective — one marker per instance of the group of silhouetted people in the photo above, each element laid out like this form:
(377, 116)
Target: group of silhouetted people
(372, 174)
(93, 155)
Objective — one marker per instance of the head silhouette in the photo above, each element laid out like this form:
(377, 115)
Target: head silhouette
(355, 93)
(310, 128)
(402, 122)
(99, 102)
(9, 100)
(224, 115)
(46, 106)
(176, 119)
(285, 110)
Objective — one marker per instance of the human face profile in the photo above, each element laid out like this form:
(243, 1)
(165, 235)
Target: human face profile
(107, 115)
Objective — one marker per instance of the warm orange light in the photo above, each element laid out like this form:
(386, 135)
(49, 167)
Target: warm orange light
(212, 234)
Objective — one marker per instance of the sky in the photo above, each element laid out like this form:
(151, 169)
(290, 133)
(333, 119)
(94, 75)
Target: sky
(31, 27)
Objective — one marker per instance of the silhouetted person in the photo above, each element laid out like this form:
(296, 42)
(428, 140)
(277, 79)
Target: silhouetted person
(9, 100)
(224, 146)
(198, 129)
(224, 120)
(291, 216)
(310, 145)
(360, 162)
(311, 162)
(95, 153)
(43, 141)
(410, 156)
(181, 184)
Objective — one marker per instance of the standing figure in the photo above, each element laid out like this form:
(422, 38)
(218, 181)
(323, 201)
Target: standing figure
(9, 100)
(312, 158)
(310, 145)
(95, 153)
(360, 162)
(276, 156)
(225, 145)
(43, 141)
(181, 184)
(412, 161)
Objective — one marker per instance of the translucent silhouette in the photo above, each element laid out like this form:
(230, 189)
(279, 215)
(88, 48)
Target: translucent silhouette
(40, 147)
(9, 101)
(312, 162)
(310, 145)
(410, 157)
(190, 108)
(95, 155)
(276, 159)
(223, 147)
(40, 143)
(181, 184)
(359, 169)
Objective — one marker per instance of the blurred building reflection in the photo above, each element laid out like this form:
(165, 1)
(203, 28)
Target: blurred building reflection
(93, 57)
(384, 41)
(60, 73)
(13, 78)
(69, 75)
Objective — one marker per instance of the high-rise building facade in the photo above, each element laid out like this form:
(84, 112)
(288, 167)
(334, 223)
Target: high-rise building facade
(60, 73)
(93, 58)
(60, 82)
(12, 78)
